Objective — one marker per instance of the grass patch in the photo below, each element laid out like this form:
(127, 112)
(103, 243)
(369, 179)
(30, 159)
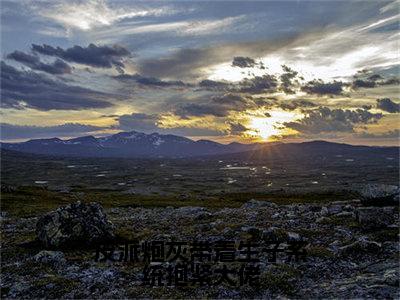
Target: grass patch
(385, 235)
(31, 201)
(319, 251)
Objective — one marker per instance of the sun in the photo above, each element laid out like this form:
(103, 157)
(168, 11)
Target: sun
(273, 125)
(264, 127)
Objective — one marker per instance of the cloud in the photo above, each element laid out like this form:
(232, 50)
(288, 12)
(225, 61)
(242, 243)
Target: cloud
(149, 81)
(325, 119)
(297, 104)
(88, 15)
(215, 85)
(243, 62)
(139, 121)
(372, 81)
(391, 134)
(288, 81)
(92, 55)
(14, 132)
(237, 128)
(149, 123)
(194, 63)
(217, 105)
(33, 62)
(321, 88)
(388, 105)
(259, 84)
(20, 89)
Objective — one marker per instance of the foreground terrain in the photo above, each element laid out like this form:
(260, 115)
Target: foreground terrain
(352, 249)
(346, 258)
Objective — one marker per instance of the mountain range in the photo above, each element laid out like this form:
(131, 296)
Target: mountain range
(128, 144)
(136, 144)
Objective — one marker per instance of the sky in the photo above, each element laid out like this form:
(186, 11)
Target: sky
(244, 71)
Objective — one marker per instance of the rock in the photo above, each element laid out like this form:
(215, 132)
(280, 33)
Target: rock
(324, 211)
(334, 209)
(190, 210)
(391, 277)
(5, 188)
(256, 204)
(292, 236)
(254, 232)
(375, 217)
(49, 257)
(380, 195)
(344, 214)
(274, 234)
(360, 247)
(74, 223)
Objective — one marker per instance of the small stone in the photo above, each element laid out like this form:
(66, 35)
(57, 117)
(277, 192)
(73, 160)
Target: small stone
(334, 209)
(344, 214)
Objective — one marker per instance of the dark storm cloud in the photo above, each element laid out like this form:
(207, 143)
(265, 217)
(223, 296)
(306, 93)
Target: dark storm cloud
(183, 63)
(325, 119)
(237, 128)
(33, 62)
(259, 84)
(372, 81)
(41, 92)
(150, 81)
(92, 55)
(11, 131)
(288, 80)
(321, 88)
(297, 104)
(139, 121)
(218, 105)
(243, 62)
(215, 85)
(388, 105)
(391, 134)
(148, 123)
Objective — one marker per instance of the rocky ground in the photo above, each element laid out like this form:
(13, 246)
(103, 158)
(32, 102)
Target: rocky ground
(352, 252)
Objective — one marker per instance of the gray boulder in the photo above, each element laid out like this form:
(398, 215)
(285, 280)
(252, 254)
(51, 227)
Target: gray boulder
(55, 257)
(375, 217)
(380, 195)
(72, 224)
(360, 247)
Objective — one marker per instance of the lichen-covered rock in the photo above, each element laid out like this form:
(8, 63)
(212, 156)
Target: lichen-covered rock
(380, 195)
(375, 217)
(45, 256)
(360, 247)
(75, 223)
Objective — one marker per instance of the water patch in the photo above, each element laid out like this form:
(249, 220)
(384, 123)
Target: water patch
(235, 168)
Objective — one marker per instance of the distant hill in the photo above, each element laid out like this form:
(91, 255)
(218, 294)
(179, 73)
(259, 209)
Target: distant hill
(135, 144)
